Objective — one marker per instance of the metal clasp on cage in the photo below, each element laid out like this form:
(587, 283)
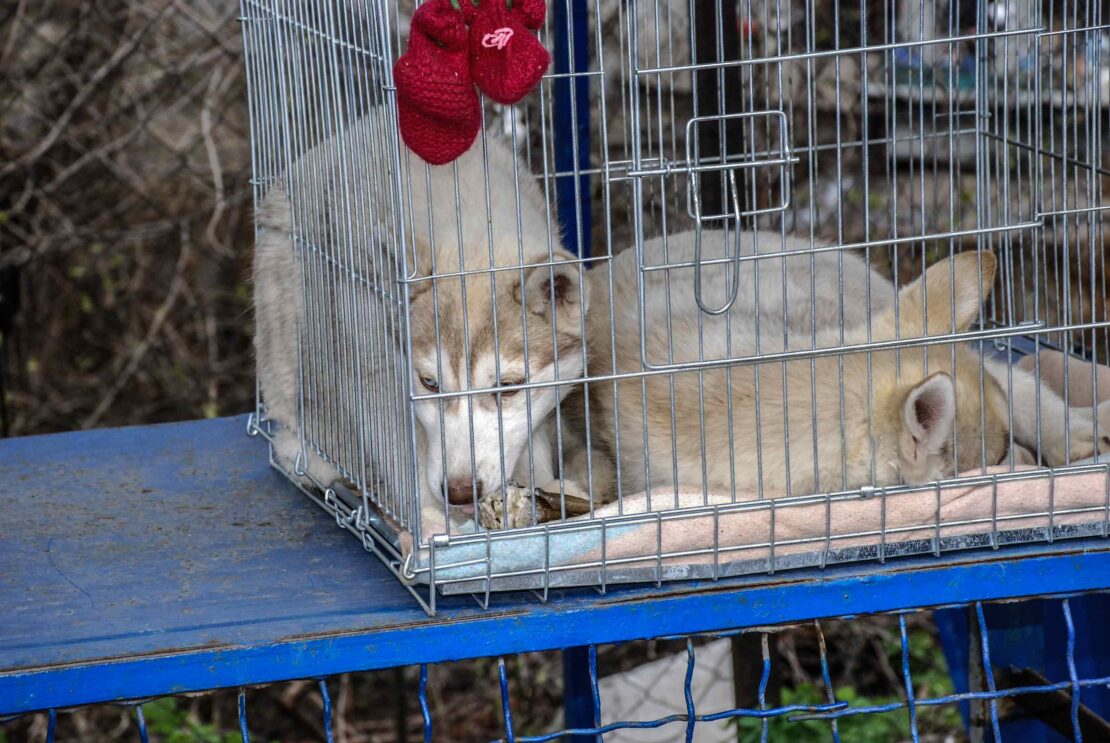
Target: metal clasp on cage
(734, 259)
(693, 193)
(783, 159)
(332, 502)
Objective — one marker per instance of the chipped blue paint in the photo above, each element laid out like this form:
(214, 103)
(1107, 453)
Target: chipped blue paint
(145, 561)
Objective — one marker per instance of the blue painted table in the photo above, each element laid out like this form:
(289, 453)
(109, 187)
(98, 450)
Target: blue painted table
(143, 561)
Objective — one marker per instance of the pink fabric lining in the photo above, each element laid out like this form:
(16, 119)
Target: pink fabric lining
(686, 523)
(1073, 498)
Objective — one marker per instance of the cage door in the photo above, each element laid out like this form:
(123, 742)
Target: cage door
(853, 137)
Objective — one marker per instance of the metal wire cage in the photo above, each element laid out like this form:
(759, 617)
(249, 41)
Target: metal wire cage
(741, 287)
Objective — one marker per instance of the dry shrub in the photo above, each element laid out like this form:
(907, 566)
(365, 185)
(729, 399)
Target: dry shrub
(124, 213)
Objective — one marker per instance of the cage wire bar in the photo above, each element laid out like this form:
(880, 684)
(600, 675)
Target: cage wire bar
(1004, 692)
(881, 138)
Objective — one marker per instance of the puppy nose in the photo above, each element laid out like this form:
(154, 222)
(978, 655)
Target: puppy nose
(461, 492)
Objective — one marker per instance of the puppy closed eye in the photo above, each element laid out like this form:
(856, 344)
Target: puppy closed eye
(507, 382)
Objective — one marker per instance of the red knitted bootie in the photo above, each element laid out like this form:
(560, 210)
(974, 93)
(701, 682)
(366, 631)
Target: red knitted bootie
(437, 106)
(506, 59)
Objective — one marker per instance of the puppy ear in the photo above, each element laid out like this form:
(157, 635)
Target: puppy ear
(930, 412)
(559, 288)
(947, 299)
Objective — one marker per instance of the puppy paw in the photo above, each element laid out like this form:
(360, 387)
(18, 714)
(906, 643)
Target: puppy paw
(1019, 457)
(1085, 438)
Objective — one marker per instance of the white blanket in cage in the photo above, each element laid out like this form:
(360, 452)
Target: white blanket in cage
(670, 534)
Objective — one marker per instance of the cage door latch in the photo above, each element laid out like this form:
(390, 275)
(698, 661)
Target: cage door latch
(727, 165)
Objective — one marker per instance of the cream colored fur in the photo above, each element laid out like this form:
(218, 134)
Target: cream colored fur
(346, 346)
(898, 417)
(912, 416)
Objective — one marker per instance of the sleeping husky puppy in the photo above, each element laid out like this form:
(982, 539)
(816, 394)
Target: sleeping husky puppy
(332, 371)
(800, 425)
